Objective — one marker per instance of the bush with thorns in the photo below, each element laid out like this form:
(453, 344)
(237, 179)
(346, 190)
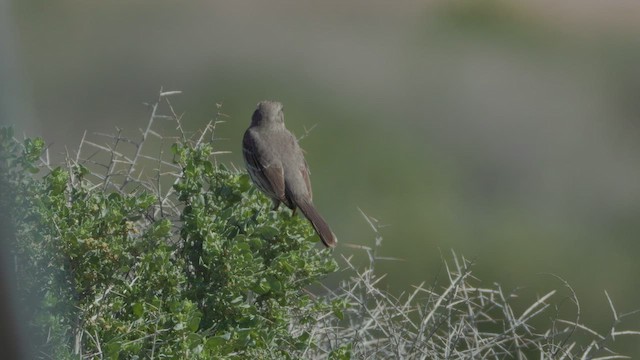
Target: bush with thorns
(148, 248)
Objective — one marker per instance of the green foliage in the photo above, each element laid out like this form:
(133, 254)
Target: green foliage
(246, 266)
(105, 276)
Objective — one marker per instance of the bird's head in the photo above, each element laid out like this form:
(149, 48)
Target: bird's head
(268, 112)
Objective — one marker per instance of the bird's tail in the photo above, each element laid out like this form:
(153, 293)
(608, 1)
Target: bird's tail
(322, 228)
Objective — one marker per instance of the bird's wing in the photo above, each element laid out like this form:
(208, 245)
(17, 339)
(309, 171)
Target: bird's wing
(307, 180)
(266, 173)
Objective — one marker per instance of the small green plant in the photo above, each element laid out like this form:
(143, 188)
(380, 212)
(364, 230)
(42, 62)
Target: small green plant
(188, 262)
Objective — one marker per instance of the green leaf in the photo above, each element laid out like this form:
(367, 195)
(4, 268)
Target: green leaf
(82, 171)
(342, 353)
(268, 232)
(174, 148)
(208, 167)
(215, 342)
(194, 322)
(112, 349)
(274, 283)
(244, 182)
(338, 313)
(262, 287)
(138, 309)
(162, 228)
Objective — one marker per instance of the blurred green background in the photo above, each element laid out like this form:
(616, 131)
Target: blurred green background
(508, 131)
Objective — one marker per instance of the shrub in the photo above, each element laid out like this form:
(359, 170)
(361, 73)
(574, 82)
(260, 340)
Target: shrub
(121, 270)
(188, 261)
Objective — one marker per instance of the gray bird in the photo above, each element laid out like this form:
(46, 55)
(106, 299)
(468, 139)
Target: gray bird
(277, 166)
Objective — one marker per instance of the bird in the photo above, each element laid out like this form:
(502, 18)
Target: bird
(276, 165)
